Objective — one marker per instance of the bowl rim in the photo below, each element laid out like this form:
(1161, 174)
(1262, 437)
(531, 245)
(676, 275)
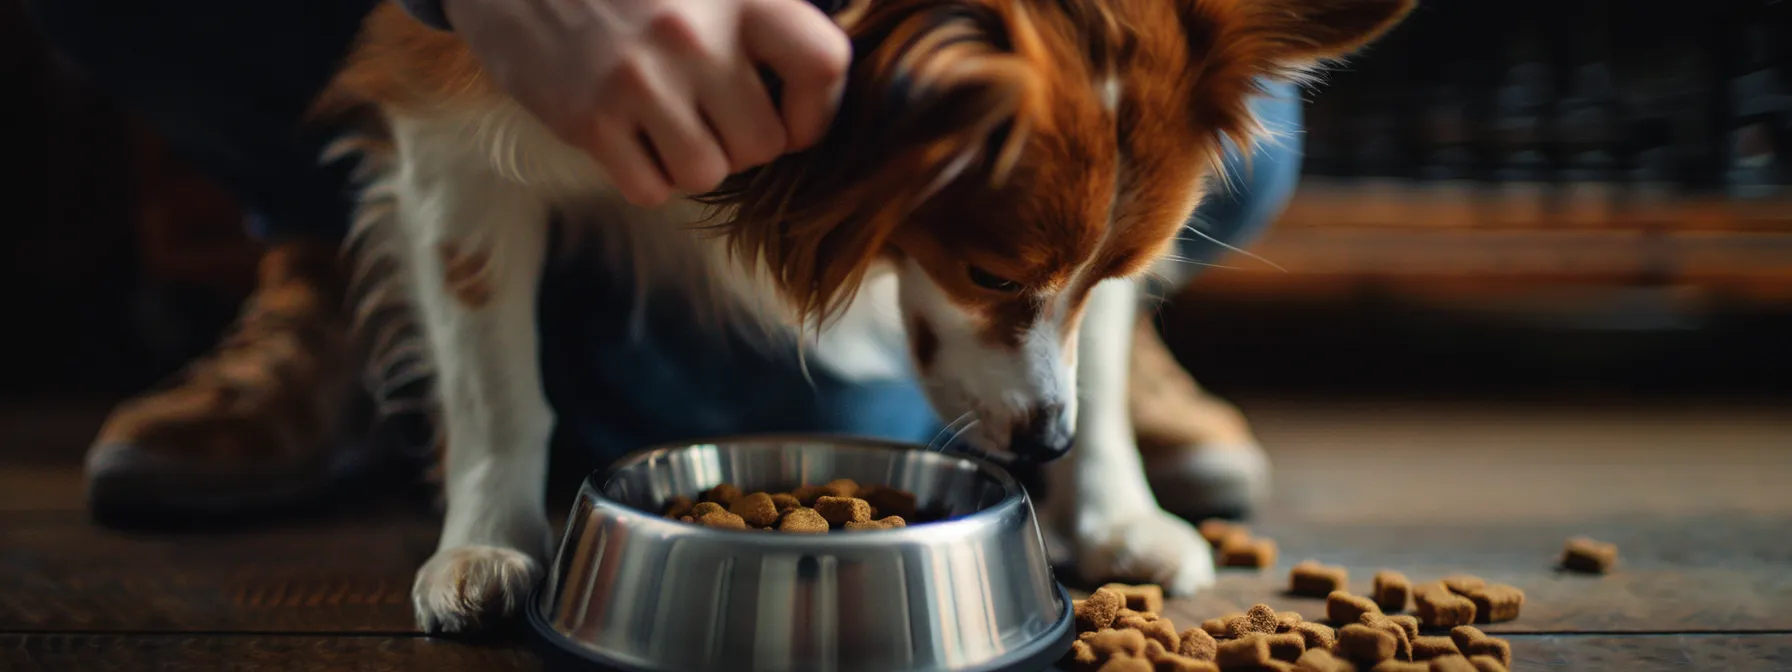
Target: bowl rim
(1014, 495)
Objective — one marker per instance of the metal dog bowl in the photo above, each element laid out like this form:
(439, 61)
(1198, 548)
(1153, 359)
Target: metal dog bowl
(631, 590)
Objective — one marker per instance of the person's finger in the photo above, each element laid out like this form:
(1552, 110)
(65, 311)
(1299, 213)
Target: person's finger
(808, 53)
(692, 156)
(741, 112)
(624, 156)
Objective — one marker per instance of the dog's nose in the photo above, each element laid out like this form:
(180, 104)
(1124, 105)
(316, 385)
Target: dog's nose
(1044, 435)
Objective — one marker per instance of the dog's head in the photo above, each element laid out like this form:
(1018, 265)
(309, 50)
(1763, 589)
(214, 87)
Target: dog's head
(1008, 155)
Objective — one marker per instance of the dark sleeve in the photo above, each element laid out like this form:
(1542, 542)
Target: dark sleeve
(427, 11)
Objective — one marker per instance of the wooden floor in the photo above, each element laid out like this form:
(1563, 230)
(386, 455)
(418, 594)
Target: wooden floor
(1698, 497)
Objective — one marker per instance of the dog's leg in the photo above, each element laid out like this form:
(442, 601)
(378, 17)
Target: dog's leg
(1099, 495)
(476, 248)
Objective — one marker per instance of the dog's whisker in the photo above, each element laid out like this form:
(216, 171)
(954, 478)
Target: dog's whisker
(951, 432)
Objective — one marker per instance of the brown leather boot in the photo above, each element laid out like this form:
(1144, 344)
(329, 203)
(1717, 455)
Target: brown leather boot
(256, 422)
(1200, 456)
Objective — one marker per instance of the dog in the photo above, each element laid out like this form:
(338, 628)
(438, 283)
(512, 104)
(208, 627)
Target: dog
(998, 175)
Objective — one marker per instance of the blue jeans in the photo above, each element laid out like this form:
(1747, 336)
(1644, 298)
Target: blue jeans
(227, 81)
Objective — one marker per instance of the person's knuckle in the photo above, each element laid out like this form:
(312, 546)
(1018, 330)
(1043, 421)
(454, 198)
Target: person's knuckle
(631, 75)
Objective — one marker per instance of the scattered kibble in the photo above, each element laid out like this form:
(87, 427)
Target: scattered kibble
(1098, 611)
(1311, 579)
(1342, 608)
(1427, 648)
(1496, 603)
(1287, 646)
(1246, 552)
(1318, 635)
(1472, 642)
(1437, 607)
(1321, 660)
(1365, 645)
(1589, 556)
(1391, 590)
(1451, 663)
(1145, 598)
(1251, 650)
(1197, 644)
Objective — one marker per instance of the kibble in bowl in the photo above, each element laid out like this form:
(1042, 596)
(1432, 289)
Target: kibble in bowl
(817, 560)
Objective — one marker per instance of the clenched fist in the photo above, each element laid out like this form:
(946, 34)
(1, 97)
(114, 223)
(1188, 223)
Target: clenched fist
(665, 94)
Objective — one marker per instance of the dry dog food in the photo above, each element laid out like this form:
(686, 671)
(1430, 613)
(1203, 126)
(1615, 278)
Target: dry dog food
(1390, 590)
(1321, 660)
(1311, 579)
(723, 494)
(1451, 663)
(1496, 603)
(1440, 608)
(1260, 620)
(1146, 598)
(1287, 646)
(1217, 531)
(1112, 642)
(723, 520)
(1461, 584)
(1487, 664)
(1427, 648)
(1155, 630)
(757, 509)
(1400, 666)
(1589, 556)
(1248, 552)
(1472, 642)
(1247, 651)
(1365, 645)
(1318, 635)
(1126, 664)
(1198, 645)
(1408, 623)
(1402, 639)
(1098, 611)
(839, 505)
(1115, 636)
(1342, 608)
(803, 520)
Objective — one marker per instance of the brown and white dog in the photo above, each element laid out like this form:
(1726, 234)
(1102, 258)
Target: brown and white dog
(999, 172)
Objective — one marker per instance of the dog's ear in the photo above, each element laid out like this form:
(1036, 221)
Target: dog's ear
(938, 91)
(1234, 44)
(1276, 35)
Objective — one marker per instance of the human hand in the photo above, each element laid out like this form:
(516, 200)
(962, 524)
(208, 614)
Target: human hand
(664, 94)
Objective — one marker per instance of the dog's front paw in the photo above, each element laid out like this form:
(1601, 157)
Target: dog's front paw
(1155, 547)
(472, 588)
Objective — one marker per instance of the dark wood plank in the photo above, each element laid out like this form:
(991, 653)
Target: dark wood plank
(346, 576)
(1653, 653)
(275, 653)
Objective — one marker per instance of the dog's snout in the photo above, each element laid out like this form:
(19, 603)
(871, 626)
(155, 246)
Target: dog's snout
(1043, 435)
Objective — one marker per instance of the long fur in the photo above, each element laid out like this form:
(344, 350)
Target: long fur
(1057, 146)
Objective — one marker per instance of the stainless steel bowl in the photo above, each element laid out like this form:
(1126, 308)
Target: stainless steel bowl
(631, 590)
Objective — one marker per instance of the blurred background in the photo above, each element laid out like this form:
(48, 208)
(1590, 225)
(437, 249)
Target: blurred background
(1567, 198)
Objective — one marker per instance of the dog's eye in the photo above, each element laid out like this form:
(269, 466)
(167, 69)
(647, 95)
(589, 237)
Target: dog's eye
(991, 281)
